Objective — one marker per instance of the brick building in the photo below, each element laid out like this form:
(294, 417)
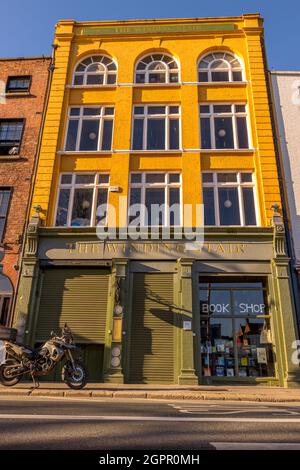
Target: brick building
(161, 113)
(23, 85)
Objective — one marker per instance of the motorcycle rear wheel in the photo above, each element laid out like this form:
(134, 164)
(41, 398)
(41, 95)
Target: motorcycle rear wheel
(75, 379)
(5, 377)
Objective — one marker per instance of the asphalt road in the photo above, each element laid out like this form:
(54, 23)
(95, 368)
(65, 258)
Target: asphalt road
(112, 424)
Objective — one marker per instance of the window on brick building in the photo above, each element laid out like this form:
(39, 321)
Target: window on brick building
(4, 203)
(157, 68)
(4, 309)
(82, 199)
(90, 128)
(220, 67)
(96, 71)
(155, 199)
(224, 126)
(11, 131)
(156, 127)
(229, 199)
(18, 84)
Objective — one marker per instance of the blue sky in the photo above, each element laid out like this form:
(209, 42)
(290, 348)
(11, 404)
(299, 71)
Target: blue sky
(27, 27)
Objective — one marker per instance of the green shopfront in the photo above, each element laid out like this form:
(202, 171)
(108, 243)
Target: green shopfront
(161, 312)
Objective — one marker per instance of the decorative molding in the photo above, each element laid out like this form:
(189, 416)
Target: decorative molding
(279, 233)
(32, 234)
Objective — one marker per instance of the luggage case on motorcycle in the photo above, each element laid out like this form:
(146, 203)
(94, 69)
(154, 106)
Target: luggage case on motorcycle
(8, 334)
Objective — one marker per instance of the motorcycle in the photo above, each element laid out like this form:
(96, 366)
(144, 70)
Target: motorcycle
(22, 360)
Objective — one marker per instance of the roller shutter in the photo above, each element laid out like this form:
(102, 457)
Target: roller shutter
(77, 297)
(152, 333)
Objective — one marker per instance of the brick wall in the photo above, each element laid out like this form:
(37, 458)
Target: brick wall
(17, 173)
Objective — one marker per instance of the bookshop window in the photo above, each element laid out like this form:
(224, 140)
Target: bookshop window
(235, 330)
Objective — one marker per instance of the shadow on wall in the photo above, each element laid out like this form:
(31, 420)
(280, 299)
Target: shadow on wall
(154, 316)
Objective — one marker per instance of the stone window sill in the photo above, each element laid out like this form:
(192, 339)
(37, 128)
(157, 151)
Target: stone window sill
(17, 94)
(10, 157)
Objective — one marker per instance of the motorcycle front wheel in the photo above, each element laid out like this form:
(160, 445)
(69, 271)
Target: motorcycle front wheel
(76, 377)
(7, 377)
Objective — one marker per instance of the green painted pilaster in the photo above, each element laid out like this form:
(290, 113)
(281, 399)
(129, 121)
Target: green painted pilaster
(187, 373)
(285, 321)
(113, 356)
(25, 310)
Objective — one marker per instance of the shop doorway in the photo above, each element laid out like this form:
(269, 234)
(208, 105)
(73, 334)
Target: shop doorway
(79, 298)
(235, 329)
(152, 329)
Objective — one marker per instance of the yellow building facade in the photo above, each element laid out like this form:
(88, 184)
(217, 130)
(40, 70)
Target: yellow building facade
(183, 97)
(75, 41)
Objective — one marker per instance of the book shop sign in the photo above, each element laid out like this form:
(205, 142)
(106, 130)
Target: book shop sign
(243, 308)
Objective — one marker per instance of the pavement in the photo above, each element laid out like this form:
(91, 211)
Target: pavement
(105, 424)
(253, 393)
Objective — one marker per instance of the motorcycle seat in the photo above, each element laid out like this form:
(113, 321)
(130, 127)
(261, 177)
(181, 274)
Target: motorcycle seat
(24, 346)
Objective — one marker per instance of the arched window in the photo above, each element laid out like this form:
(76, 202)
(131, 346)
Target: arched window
(96, 70)
(220, 67)
(157, 68)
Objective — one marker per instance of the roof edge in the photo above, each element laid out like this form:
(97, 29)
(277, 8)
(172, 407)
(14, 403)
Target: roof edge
(42, 57)
(284, 72)
(158, 20)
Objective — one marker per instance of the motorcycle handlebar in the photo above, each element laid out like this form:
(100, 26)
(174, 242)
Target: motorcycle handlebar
(65, 333)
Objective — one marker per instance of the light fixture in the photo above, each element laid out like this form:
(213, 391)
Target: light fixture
(227, 203)
(92, 135)
(85, 204)
(222, 132)
(118, 309)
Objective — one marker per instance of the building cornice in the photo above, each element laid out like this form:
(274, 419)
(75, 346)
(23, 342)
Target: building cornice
(249, 23)
(247, 18)
(209, 232)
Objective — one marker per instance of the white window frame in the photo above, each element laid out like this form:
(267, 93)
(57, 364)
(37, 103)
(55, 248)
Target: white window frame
(105, 73)
(239, 185)
(18, 79)
(233, 114)
(228, 69)
(4, 296)
(146, 71)
(102, 117)
(72, 186)
(8, 191)
(14, 144)
(166, 115)
(164, 185)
